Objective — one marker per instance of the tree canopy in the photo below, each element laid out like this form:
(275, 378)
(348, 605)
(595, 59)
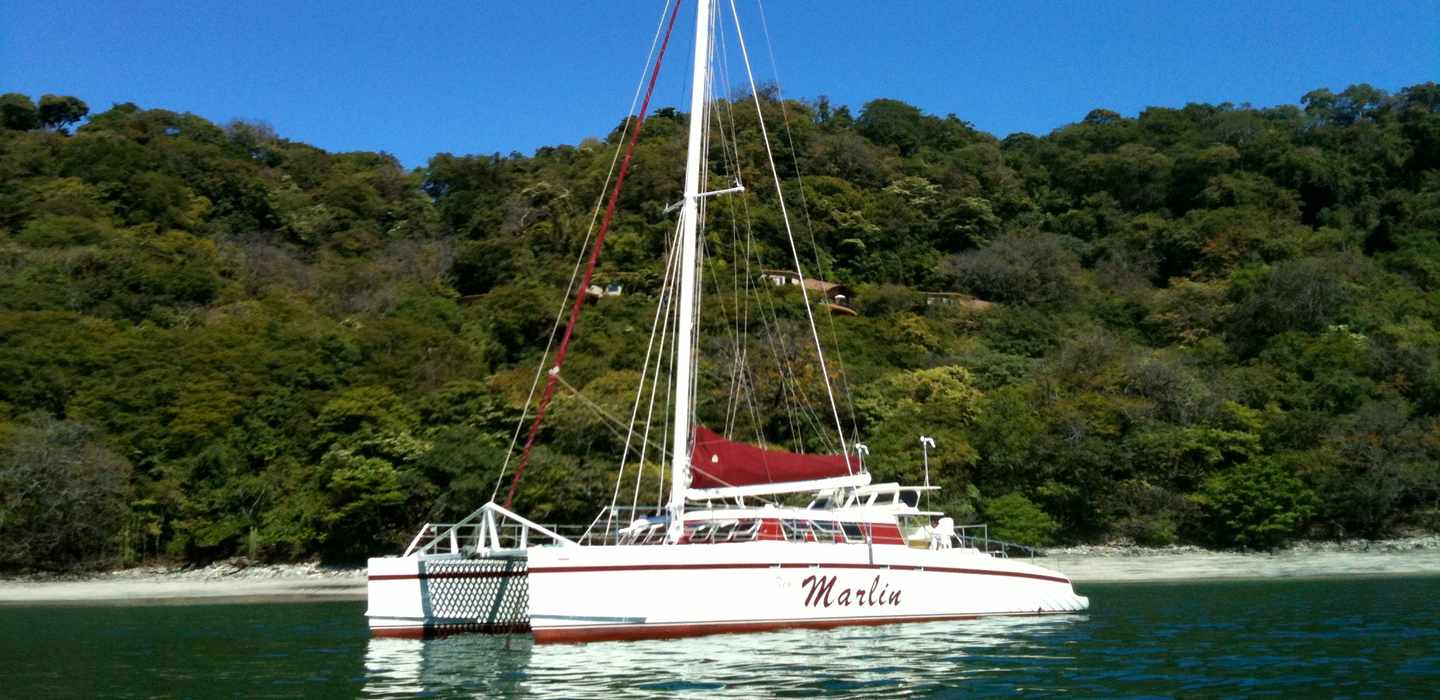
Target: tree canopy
(1214, 324)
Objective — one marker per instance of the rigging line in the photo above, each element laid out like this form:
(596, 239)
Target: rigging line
(667, 343)
(732, 166)
(749, 380)
(794, 253)
(719, 76)
(809, 225)
(579, 304)
(639, 393)
(742, 210)
(659, 360)
(744, 206)
(790, 381)
(731, 151)
(579, 260)
(616, 426)
(790, 384)
(667, 415)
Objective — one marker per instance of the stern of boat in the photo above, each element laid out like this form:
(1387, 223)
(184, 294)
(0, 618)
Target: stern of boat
(470, 576)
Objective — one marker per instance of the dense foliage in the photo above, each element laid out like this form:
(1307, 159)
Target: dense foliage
(1214, 324)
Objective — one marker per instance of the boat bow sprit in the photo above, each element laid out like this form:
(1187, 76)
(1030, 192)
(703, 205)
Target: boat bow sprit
(730, 551)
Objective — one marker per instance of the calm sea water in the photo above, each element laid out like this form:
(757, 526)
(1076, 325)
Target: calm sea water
(1325, 638)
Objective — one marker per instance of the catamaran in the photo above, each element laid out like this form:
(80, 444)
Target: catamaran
(734, 549)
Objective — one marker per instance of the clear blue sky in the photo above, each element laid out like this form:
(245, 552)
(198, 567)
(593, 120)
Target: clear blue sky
(414, 79)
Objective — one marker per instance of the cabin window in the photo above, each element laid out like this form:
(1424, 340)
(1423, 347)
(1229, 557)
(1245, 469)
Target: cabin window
(702, 533)
(795, 530)
(746, 530)
(916, 529)
(691, 529)
(910, 498)
(723, 533)
(827, 531)
(853, 532)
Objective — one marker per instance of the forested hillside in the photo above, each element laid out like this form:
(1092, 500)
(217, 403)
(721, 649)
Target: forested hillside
(1214, 324)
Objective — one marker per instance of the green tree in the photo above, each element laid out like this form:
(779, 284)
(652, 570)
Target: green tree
(18, 112)
(1015, 518)
(1259, 504)
(63, 496)
(60, 111)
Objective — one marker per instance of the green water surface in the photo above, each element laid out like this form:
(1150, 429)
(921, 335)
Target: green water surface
(1353, 637)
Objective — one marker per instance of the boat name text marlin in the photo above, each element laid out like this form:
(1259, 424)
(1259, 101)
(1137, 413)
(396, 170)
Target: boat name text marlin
(820, 591)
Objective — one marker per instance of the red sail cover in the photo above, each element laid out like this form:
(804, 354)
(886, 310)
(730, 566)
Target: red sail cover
(717, 463)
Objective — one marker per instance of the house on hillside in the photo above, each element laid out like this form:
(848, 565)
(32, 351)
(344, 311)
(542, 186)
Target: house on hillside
(611, 289)
(964, 301)
(834, 296)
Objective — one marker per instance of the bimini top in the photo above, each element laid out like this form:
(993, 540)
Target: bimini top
(718, 463)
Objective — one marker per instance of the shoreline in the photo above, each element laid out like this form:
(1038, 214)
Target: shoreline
(221, 582)
(232, 582)
(1128, 564)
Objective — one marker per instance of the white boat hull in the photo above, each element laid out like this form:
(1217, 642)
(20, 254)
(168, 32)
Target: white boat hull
(605, 593)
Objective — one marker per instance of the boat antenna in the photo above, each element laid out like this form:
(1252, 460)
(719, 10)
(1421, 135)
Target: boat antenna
(925, 444)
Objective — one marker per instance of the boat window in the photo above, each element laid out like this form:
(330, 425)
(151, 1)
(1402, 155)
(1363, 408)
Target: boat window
(795, 530)
(723, 533)
(852, 532)
(910, 498)
(746, 530)
(703, 533)
(916, 529)
(827, 531)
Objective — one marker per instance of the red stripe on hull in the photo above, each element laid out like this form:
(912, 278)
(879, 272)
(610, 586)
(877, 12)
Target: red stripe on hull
(445, 575)
(888, 567)
(670, 631)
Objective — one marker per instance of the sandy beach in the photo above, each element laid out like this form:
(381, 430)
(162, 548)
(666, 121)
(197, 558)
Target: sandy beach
(1112, 564)
(229, 582)
(220, 582)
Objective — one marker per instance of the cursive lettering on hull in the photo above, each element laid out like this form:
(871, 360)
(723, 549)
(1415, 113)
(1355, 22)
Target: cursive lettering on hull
(820, 591)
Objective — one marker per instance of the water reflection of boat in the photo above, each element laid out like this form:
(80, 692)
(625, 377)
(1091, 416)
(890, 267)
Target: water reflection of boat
(485, 665)
(731, 553)
(997, 654)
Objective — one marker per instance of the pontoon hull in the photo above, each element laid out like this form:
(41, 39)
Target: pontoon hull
(414, 597)
(604, 593)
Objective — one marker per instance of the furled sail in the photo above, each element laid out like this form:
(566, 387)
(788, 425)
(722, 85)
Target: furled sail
(718, 463)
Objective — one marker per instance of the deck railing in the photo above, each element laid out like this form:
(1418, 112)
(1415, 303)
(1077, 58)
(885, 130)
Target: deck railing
(978, 536)
(493, 529)
(490, 529)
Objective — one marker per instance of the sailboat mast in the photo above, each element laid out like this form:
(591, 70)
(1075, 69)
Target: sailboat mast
(689, 224)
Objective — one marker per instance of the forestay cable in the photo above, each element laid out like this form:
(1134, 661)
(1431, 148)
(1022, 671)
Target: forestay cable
(579, 304)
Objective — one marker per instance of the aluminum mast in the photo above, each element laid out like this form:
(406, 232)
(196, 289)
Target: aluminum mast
(689, 223)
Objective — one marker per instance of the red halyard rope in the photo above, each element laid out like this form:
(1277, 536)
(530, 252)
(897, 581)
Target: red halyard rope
(579, 304)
